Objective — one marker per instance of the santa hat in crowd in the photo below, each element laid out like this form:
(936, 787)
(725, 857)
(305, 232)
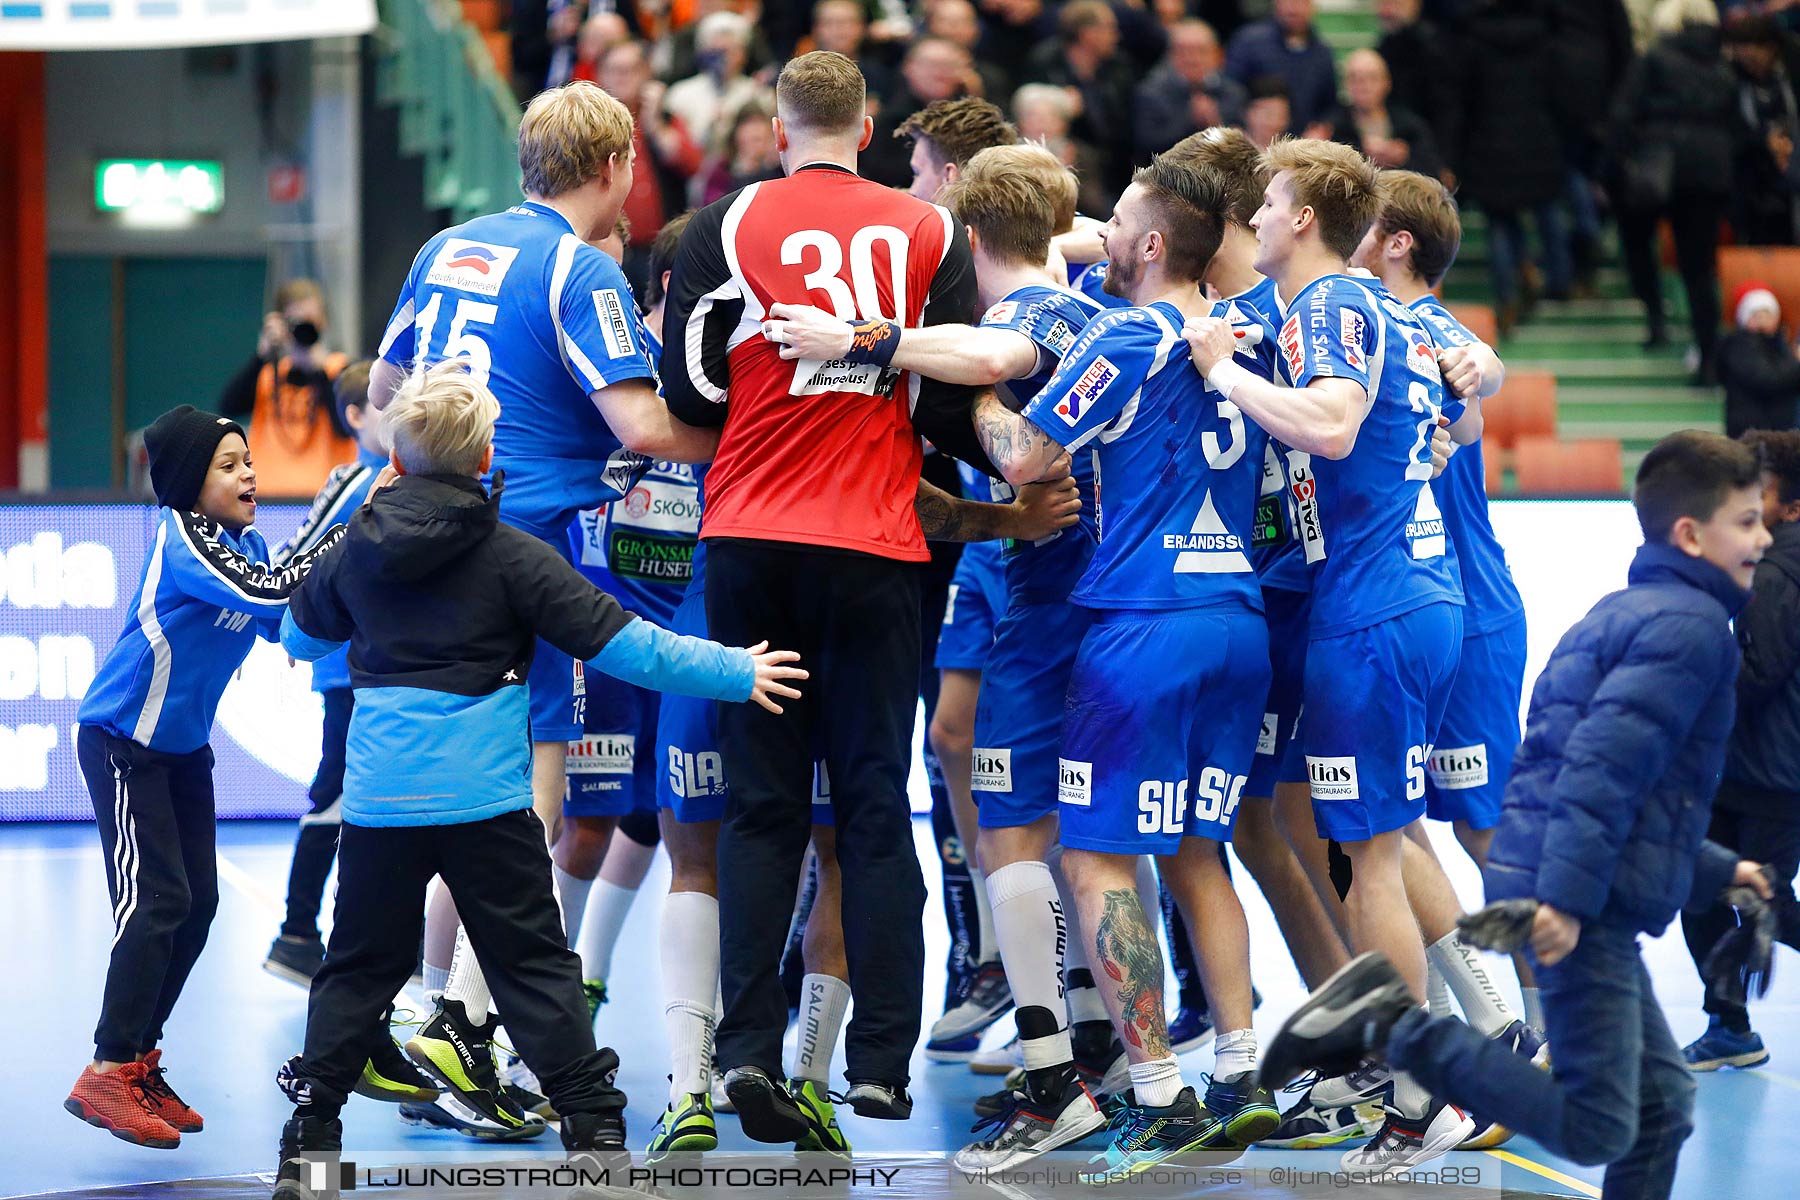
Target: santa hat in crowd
(1751, 298)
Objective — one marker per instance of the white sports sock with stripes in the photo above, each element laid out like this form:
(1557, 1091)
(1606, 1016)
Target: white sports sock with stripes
(824, 999)
(1475, 991)
(467, 984)
(1437, 992)
(1029, 925)
(690, 971)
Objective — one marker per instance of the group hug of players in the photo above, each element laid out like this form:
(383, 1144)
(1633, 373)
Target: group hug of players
(1247, 593)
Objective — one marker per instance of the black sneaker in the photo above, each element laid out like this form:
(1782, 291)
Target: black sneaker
(458, 1055)
(391, 1077)
(764, 1107)
(310, 1150)
(1246, 1113)
(883, 1102)
(1344, 1021)
(295, 959)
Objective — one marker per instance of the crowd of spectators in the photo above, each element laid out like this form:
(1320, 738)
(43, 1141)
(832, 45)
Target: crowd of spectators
(1551, 117)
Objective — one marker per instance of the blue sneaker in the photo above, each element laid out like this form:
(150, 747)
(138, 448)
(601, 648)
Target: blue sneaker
(952, 1050)
(1722, 1047)
(1144, 1138)
(1191, 1029)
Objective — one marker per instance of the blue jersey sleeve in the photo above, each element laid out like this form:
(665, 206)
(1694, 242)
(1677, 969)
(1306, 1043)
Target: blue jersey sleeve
(399, 341)
(1329, 333)
(201, 563)
(1098, 377)
(1448, 333)
(597, 322)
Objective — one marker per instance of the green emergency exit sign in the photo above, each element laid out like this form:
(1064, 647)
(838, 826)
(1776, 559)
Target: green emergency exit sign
(152, 184)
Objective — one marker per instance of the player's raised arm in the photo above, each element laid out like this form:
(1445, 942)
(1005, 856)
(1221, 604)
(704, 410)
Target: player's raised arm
(962, 354)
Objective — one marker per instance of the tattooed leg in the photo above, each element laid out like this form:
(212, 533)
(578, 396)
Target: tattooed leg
(1127, 959)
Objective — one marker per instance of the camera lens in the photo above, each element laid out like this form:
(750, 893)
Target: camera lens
(305, 332)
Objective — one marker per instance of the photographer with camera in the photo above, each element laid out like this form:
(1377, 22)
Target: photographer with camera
(286, 391)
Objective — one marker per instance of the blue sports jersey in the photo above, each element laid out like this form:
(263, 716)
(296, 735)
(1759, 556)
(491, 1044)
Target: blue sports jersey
(206, 595)
(1171, 534)
(345, 489)
(1274, 550)
(1369, 524)
(642, 548)
(545, 319)
(1493, 599)
(1038, 572)
(1090, 281)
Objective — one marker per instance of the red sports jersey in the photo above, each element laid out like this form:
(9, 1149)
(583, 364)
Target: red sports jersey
(817, 453)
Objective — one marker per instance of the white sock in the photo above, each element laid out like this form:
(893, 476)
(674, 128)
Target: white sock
(608, 906)
(1234, 1053)
(1084, 999)
(436, 978)
(1475, 992)
(823, 1002)
(690, 971)
(572, 896)
(1534, 1007)
(1437, 992)
(1409, 1099)
(1032, 934)
(988, 947)
(466, 982)
(1156, 1082)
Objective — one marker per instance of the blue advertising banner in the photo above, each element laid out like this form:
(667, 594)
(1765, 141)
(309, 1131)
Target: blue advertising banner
(67, 575)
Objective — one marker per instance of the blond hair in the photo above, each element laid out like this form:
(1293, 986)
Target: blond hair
(1037, 163)
(567, 137)
(1007, 210)
(1336, 182)
(441, 421)
(1422, 207)
(821, 92)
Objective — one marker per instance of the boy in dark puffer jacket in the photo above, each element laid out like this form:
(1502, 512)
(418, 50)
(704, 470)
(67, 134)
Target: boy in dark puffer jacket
(1604, 827)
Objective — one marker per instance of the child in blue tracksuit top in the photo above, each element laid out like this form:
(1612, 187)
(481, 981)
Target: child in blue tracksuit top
(1604, 827)
(297, 952)
(441, 605)
(208, 592)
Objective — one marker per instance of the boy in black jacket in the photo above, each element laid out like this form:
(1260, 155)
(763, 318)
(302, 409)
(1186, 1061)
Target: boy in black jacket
(440, 604)
(1602, 837)
(1758, 803)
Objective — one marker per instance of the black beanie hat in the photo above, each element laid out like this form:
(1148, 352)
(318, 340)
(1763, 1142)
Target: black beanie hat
(180, 445)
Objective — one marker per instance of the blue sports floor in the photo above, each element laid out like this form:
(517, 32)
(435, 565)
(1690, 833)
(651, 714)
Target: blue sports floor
(236, 1023)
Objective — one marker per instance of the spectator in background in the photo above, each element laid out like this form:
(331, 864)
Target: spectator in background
(1416, 51)
(1504, 140)
(1759, 367)
(934, 69)
(1267, 112)
(842, 26)
(1391, 136)
(719, 86)
(667, 155)
(599, 33)
(1085, 58)
(676, 55)
(286, 389)
(1287, 45)
(1044, 113)
(1671, 146)
(956, 21)
(1592, 43)
(1189, 91)
(1012, 29)
(1765, 193)
(747, 155)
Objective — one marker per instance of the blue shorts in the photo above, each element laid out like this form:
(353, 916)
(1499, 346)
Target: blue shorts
(612, 766)
(1278, 754)
(1374, 700)
(690, 771)
(973, 610)
(1159, 702)
(1019, 715)
(1465, 778)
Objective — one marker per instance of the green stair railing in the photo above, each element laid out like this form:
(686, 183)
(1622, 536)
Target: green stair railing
(456, 113)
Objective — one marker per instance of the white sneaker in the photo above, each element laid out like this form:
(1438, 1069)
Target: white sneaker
(1000, 1060)
(1306, 1126)
(1023, 1130)
(1405, 1143)
(721, 1102)
(1364, 1085)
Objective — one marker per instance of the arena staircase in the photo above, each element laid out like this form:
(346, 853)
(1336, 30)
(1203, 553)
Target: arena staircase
(457, 113)
(1608, 386)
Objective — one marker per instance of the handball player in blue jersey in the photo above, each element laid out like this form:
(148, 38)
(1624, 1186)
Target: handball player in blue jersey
(1164, 700)
(1360, 395)
(547, 322)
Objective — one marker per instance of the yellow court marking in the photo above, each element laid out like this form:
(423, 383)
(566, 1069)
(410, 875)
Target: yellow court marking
(1550, 1173)
(1783, 1080)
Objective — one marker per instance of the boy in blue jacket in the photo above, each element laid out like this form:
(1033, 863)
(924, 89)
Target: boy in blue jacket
(441, 605)
(208, 592)
(1604, 826)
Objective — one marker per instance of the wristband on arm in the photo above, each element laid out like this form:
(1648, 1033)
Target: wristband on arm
(873, 342)
(1226, 375)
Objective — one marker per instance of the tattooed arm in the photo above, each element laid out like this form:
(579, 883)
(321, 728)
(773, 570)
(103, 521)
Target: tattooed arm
(1039, 510)
(1021, 450)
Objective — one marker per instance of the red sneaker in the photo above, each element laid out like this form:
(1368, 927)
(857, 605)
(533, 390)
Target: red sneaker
(163, 1100)
(118, 1103)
